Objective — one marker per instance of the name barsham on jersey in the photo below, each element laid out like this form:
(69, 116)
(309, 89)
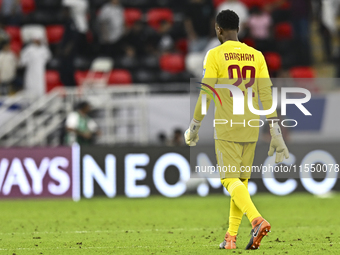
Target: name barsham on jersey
(239, 56)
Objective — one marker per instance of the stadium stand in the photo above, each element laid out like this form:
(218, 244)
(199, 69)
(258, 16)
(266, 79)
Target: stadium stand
(54, 33)
(120, 76)
(273, 60)
(132, 15)
(52, 80)
(155, 16)
(283, 31)
(160, 22)
(173, 63)
(28, 6)
(302, 72)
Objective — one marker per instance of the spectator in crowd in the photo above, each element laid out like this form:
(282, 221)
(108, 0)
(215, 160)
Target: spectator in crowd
(137, 37)
(166, 37)
(80, 127)
(162, 40)
(11, 11)
(4, 37)
(34, 58)
(68, 50)
(177, 139)
(328, 13)
(162, 139)
(111, 27)
(8, 67)
(130, 56)
(199, 23)
(301, 14)
(79, 9)
(193, 63)
(260, 24)
(241, 10)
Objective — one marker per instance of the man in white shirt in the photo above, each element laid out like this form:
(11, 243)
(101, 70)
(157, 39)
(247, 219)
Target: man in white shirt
(111, 25)
(79, 9)
(241, 10)
(35, 57)
(8, 68)
(79, 13)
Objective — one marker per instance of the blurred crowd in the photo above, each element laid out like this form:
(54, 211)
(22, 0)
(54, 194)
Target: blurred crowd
(151, 41)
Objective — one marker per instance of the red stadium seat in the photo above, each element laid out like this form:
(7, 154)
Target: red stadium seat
(173, 63)
(54, 33)
(27, 6)
(302, 72)
(14, 33)
(131, 16)
(249, 41)
(217, 2)
(52, 80)
(156, 15)
(262, 3)
(16, 47)
(304, 78)
(120, 76)
(80, 76)
(251, 3)
(273, 60)
(283, 31)
(182, 46)
(285, 5)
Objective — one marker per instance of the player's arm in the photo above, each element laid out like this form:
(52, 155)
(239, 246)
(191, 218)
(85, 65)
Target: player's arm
(209, 79)
(264, 86)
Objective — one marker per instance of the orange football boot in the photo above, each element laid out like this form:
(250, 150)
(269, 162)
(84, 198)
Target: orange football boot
(261, 227)
(229, 242)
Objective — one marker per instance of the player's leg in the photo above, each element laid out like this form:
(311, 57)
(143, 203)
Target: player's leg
(230, 154)
(260, 226)
(235, 214)
(230, 157)
(240, 195)
(241, 199)
(235, 218)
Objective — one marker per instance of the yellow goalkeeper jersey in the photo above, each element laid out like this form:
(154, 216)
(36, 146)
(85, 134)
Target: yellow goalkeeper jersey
(235, 63)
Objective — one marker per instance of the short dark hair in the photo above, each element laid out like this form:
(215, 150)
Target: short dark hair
(228, 20)
(82, 105)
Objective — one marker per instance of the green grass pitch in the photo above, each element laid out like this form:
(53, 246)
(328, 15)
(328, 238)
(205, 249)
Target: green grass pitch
(301, 224)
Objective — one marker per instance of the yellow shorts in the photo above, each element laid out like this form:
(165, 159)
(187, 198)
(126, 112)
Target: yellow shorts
(234, 159)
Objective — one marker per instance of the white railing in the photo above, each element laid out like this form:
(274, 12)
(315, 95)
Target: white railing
(120, 112)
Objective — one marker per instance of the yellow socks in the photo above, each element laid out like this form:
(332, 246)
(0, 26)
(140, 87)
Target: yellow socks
(235, 214)
(235, 217)
(240, 203)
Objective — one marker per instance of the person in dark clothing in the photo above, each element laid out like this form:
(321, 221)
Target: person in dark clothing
(68, 50)
(177, 139)
(199, 23)
(325, 32)
(301, 13)
(136, 38)
(11, 11)
(163, 39)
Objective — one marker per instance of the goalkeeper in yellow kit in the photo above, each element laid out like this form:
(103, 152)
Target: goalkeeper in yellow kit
(237, 64)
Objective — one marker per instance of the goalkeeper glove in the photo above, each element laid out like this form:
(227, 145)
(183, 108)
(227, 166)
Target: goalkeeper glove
(277, 144)
(191, 134)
